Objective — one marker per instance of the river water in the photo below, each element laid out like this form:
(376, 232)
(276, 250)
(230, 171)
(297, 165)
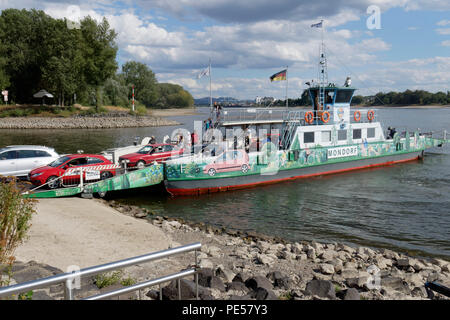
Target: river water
(405, 207)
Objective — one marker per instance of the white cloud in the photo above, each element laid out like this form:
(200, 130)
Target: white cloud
(445, 43)
(443, 23)
(443, 31)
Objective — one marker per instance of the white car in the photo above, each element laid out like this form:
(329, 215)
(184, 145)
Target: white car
(19, 160)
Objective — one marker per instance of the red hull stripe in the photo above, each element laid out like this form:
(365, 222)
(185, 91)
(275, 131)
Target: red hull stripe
(197, 191)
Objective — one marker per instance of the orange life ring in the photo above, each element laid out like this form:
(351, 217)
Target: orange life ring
(327, 118)
(357, 116)
(370, 115)
(309, 117)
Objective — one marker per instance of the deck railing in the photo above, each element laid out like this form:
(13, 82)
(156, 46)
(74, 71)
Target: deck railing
(69, 278)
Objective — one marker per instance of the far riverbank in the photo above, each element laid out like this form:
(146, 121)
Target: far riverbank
(84, 122)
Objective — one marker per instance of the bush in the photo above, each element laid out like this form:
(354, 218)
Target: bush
(15, 220)
(139, 109)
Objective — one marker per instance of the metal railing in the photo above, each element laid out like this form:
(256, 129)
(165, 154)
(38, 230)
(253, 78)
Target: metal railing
(69, 278)
(252, 114)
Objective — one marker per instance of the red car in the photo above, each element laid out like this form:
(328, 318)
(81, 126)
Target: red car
(149, 154)
(234, 160)
(101, 168)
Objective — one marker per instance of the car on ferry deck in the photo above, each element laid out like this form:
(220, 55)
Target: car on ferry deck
(233, 160)
(19, 160)
(149, 154)
(50, 173)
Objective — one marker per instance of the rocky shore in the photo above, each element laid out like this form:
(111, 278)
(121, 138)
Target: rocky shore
(245, 266)
(84, 122)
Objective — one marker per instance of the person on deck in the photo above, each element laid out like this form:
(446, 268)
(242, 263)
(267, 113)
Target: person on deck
(391, 133)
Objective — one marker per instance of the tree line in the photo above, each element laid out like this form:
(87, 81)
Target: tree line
(76, 64)
(408, 97)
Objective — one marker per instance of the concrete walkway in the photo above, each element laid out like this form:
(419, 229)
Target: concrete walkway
(85, 232)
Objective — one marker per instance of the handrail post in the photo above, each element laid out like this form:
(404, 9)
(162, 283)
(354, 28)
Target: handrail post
(196, 274)
(81, 179)
(68, 292)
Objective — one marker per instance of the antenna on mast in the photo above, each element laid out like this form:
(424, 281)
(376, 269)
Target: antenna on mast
(323, 71)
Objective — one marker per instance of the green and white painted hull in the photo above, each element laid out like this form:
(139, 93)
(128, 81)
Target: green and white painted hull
(189, 178)
(146, 177)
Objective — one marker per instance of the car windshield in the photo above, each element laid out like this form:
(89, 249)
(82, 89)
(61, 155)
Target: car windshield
(145, 150)
(58, 162)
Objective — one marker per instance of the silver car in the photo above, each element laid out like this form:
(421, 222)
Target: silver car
(19, 160)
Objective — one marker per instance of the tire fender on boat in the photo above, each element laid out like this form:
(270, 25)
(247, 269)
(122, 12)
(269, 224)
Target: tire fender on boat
(309, 117)
(327, 118)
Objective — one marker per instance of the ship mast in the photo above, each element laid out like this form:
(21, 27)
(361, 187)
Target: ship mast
(323, 72)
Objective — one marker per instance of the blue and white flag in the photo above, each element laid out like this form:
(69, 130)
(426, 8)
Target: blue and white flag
(203, 73)
(317, 25)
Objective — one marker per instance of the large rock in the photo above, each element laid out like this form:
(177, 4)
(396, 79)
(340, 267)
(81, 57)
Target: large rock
(206, 278)
(23, 272)
(389, 254)
(240, 277)
(352, 294)
(395, 283)
(279, 280)
(327, 255)
(226, 274)
(237, 287)
(258, 282)
(326, 268)
(264, 294)
(345, 248)
(264, 259)
(321, 288)
(188, 291)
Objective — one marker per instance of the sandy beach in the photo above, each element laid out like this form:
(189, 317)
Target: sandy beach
(83, 232)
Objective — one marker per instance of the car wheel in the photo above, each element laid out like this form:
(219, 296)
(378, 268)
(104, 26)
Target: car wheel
(212, 172)
(140, 165)
(244, 168)
(53, 182)
(105, 175)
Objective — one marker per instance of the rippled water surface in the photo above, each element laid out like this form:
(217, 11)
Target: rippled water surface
(405, 206)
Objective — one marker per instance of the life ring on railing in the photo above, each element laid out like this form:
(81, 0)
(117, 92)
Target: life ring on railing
(309, 117)
(370, 115)
(357, 116)
(327, 118)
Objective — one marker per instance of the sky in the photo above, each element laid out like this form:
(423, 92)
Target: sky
(383, 45)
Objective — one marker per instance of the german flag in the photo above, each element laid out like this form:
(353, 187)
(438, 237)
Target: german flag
(279, 76)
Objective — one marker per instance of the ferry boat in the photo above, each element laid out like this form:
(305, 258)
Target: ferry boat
(274, 145)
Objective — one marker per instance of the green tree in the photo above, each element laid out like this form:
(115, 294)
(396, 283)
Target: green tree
(144, 81)
(99, 54)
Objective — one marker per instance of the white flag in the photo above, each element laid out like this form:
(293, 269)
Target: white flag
(203, 73)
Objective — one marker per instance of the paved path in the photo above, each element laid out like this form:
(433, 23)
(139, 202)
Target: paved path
(85, 232)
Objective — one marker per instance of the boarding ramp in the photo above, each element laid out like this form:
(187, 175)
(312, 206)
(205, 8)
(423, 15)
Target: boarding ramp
(93, 180)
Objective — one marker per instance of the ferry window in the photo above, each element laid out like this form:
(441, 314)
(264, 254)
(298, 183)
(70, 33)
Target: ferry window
(357, 134)
(342, 135)
(326, 136)
(370, 132)
(308, 137)
(343, 96)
